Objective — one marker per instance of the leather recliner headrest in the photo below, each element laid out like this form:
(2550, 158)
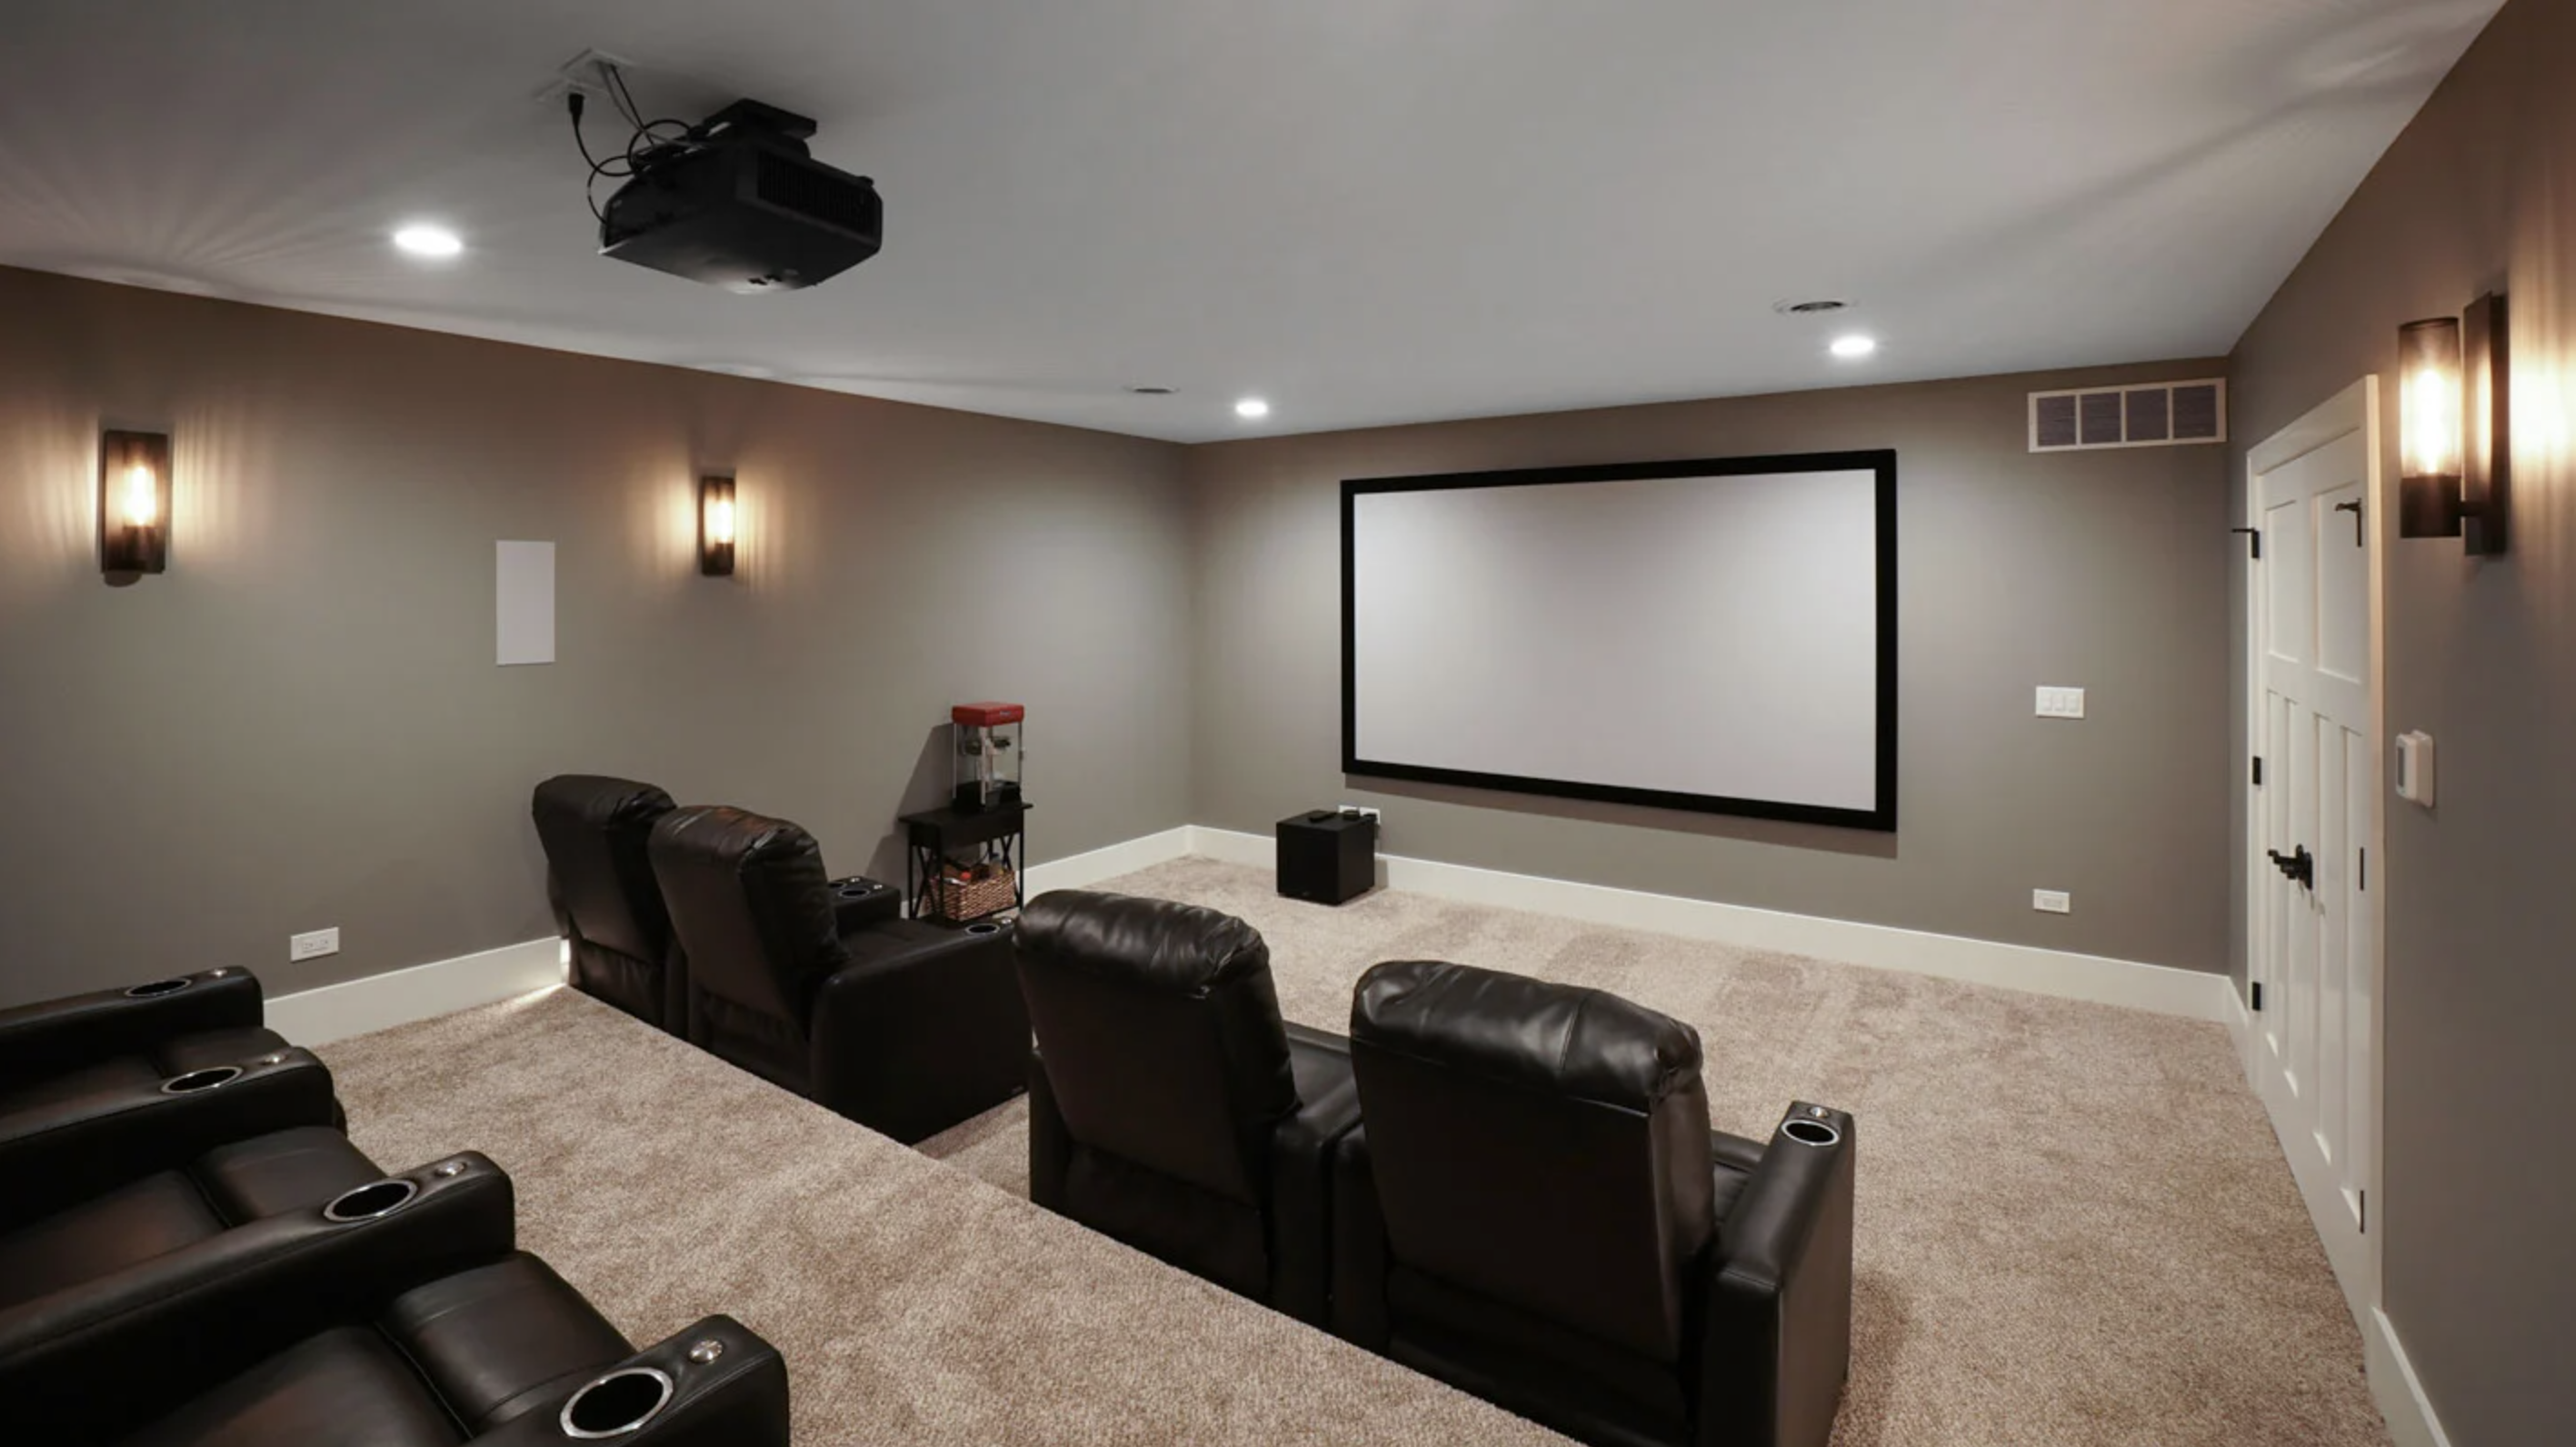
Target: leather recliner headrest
(750, 904)
(1562, 1039)
(593, 828)
(1159, 1027)
(1178, 949)
(600, 800)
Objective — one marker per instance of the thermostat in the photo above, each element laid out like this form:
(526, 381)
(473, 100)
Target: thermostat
(2415, 768)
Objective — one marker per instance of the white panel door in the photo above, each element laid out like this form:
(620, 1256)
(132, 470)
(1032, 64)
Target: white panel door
(2313, 911)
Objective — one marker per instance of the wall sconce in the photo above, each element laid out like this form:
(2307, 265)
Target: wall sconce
(715, 526)
(2455, 428)
(133, 502)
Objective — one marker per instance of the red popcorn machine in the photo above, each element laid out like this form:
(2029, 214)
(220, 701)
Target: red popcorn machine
(984, 770)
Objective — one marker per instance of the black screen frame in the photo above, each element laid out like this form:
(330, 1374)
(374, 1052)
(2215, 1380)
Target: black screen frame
(1880, 818)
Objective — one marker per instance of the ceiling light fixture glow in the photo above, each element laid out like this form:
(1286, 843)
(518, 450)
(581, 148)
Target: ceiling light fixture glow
(1854, 347)
(1251, 409)
(422, 239)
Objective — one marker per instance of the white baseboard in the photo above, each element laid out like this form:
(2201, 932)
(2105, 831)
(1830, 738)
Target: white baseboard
(378, 1002)
(2411, 1422)
(2188, 993)
(398, 997)
(1083, 870)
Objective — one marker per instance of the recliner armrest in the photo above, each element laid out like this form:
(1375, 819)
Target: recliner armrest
(61, 1152)
(1775, 1343)
(1359, 1246)
(91, 1360)
(728, 1388)
(53, 1036)
(1301, 1167)
(924, 1027)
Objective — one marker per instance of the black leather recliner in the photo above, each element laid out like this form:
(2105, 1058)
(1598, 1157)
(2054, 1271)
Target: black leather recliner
(1169, 1106)
(1537, 1212)
(168, 1206)
(396, 1316)
(102, 1090)
(605, 898)
(66, 1047)
(900, 1025)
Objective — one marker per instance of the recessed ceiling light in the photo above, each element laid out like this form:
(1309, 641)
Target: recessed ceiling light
(1251, 408)
(423, 239)
(1854, 347)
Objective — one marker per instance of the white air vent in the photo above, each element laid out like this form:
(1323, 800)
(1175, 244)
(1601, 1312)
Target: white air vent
(2168, 414)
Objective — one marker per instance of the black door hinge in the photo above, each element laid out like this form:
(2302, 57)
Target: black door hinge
(2364, 1212)
(2255, 992)
(2363, 881)
(2258, 771)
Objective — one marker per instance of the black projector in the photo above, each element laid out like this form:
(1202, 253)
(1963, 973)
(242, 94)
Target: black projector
(739, 203)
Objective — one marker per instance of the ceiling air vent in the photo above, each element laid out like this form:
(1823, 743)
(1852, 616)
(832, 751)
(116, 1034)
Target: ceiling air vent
(2167, 414)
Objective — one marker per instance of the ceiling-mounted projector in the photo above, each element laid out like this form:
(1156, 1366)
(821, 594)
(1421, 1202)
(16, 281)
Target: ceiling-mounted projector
(737, 202)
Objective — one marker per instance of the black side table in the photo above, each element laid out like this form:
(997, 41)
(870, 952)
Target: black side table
(1325, 858)
(933, 836)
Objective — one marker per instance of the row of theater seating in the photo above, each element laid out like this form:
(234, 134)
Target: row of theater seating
(1502, 1182)
(193, 1254)
(722, 927)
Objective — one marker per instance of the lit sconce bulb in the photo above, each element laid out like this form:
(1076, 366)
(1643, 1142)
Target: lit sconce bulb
(142, 501)
(715, 526)
(2432, 430)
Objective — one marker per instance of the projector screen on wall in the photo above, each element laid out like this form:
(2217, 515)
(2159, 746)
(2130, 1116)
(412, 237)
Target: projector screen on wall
(1718, 636)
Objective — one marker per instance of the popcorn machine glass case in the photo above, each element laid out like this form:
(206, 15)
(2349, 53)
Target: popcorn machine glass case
(986, 757)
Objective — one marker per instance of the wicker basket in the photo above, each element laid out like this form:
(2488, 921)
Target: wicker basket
(960, 899)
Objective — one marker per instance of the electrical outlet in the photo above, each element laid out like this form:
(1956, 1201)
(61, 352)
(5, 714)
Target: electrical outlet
(1365, 811)
(2060, 702)
(313, 944)
(581, 73)
(2052, 901)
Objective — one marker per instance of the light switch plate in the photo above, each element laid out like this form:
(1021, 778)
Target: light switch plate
(2052, 901)
(2415, 768)
(313, 944)
(2056, 702)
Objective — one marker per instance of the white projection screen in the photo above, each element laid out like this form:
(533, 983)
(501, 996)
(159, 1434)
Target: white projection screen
(1717, 636)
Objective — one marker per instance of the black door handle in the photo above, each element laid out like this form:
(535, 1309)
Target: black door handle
(2301, 867)
(2354, 508)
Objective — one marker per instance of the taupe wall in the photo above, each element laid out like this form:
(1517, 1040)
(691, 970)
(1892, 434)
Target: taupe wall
(2480, 1263)
(2106, 570)
(301, 724)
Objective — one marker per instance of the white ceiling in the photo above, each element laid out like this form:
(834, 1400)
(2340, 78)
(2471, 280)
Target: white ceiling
(1367, 211)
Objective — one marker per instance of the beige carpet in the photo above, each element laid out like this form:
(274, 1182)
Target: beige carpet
(915, 1305)
(2075, 1227)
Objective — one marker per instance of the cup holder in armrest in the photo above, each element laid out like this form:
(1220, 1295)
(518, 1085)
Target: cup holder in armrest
(617, 1404)
(983, 929)
(157, 988)
(367, 1202)
(196, 1080)
(1811, 1132)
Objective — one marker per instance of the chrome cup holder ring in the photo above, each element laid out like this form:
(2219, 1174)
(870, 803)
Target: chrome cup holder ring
(197, 1080)
(987, 928)
(1810, 1132)
(616, 1404)
(371, 1201)
(154, 989)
